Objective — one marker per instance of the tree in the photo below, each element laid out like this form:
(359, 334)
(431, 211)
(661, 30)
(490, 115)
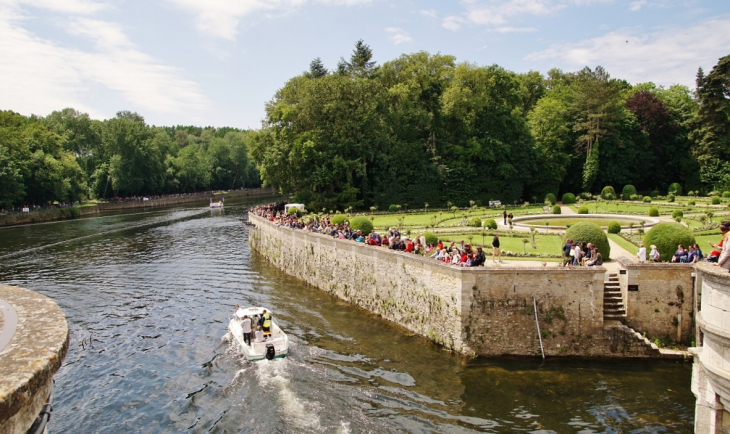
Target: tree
(361, 63)
(317, 69)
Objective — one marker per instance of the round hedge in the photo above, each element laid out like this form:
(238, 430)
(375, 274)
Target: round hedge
(716, 200)
(667, 236)
(653, 212)
(583, 210)
(590, 233)
(691, 202)
(674, 189)
(614, 227)
(670, 198)
(393, 208)
(490, 224)
(475, 222)
(608, 193)
(362, 224)
(551, 198)
(647, 199)
(568, 199)
(677, 213)
(557, 210)
(627, 192)
(586, 196)
(338, 219)
(654, 194)
(431, 238)
(726, 194)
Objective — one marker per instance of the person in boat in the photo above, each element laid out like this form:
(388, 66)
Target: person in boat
(259, 334)
(246, 326)
(266, 325)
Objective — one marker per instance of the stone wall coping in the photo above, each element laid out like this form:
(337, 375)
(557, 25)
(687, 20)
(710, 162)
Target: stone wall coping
(715, 271)
(505, 268)
(629, 263)
(31, 357)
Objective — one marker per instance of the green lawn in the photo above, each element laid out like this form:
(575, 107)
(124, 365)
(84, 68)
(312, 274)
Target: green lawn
(626, 245)
(572, 220)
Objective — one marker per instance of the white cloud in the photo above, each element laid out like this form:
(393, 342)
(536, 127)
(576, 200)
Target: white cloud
(635, 6)
(430, 13)
(220, 18)
(82, 7)
(38, 75)
(452, 22)
(667, 56)
(508, 29)
(398, 35)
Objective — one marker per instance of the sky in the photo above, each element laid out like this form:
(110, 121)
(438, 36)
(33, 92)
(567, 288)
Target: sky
(217, 62)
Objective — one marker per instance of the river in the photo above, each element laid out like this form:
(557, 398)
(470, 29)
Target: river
(148, 295)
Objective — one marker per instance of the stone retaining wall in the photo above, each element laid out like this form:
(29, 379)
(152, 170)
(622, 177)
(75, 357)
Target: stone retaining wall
(477, 311)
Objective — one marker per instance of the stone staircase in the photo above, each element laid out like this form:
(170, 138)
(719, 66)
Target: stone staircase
(613, 304)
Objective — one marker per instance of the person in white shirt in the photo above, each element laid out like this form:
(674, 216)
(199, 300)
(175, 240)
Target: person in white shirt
(641, 254)
(246, 325)
(259, 334)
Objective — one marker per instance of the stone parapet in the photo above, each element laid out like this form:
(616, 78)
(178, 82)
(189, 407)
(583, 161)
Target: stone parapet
(33, 344)
(711, 371)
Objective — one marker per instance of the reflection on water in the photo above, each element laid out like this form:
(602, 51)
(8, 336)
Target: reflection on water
(149, 300)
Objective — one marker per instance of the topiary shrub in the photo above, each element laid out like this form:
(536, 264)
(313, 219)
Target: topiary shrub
(551, 198)
(586, 196)
(490, 224)
(608, 193)
(568, 199)
(653, 212)
(627, 192)
(614, 227)
(475, 222)
(647, 199)
(677, 213)
(670, 198)
(556, 209)
(590, 233)
(666, 237)
(393, 208)
(654, 194)
(362, 224)
(716, 200)
(431, 238)
(338, 219)
(726, 194)
(583, 210)
(674, 189)
(691, 202)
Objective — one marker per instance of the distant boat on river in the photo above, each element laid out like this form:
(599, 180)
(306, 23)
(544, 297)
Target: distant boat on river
(218, 204)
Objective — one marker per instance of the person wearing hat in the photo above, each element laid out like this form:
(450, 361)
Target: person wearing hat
(641, 254)
(654, 254)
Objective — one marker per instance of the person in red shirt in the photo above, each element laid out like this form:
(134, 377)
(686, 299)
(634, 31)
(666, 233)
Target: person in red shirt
(409, 245)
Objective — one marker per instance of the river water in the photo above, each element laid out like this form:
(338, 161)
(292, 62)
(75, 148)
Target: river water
(148, 296)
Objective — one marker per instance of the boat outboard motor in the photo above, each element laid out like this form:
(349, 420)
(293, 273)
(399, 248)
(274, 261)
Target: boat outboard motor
(270, 352)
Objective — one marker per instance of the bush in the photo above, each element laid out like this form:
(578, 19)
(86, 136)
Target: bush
(431, 238)
(691, 202)
(716, 200)
(475, 222)
(568, 199)
(590, 233)
(614, 227)
(362, 224)
(654, 194)
(670, 198)
(551, 198)
(627, 192)
(586, 196)
(490, 224)
(667, 236)
(653, 212)
(338, 219)
(293, 210)
(556, 209)
(674, 189)
(726, 194)
(608, 193)
(583, 210)
(393, 208)
(647, 199)
(677, 213)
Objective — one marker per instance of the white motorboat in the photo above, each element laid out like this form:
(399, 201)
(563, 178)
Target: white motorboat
(274, 345)
(218, 204)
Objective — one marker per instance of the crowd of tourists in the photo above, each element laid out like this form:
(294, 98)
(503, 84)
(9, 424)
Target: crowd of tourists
(462, 254)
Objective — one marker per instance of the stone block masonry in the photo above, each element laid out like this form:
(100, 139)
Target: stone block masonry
(474, 311)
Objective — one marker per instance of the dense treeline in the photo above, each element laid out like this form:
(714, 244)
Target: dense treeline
(425, 129)
(66, 156)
